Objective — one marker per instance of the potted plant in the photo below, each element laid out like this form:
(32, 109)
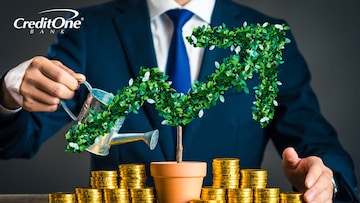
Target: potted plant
(257, 49)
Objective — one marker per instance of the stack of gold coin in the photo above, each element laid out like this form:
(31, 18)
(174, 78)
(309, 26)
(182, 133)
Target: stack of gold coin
(226, 172)
(143, 195)
(88, 195)
(132, 176)
(291, 197)
(240, 195)
(253, 178)
(211, 193)
(103, 179)
(268, 195)
(62, 197)
(116, 195)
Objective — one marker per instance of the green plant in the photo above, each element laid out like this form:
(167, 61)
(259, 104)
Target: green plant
(257, 49)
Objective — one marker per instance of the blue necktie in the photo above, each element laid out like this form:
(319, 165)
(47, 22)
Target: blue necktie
(178, 67)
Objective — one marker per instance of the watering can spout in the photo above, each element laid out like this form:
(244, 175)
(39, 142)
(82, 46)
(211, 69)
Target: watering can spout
(102, 144)
(150, 138)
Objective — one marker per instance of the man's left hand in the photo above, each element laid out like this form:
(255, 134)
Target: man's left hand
(308, 175)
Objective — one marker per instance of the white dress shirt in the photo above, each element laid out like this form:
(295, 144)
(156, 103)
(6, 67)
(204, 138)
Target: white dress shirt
(162, 29)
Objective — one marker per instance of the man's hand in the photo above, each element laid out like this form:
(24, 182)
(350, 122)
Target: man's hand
(45, 82)
(308, 175)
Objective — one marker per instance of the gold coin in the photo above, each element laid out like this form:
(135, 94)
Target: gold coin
(253, 178)
(269, 195)
(88, 191)
(270, 190)
(104, 173)
(104, 181)
(226, 160)
(253, 171)
(88, 195)
(240, 192)
(62, 197)
(226, 172)
(211, 193)
(233, 200)
(132, 167)
(147, 190)
(116, 195)
(203, 201)
(212, 190)
(104, 178)
(143, 194)
(291, 197)
(253, 185)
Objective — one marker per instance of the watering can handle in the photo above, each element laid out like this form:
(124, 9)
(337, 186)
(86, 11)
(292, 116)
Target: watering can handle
(66, 108)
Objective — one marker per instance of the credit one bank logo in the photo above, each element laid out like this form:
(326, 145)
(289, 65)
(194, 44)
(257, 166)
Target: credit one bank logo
(50, 21)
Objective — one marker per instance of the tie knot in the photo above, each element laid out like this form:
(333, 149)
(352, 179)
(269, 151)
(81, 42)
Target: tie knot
(179, 17)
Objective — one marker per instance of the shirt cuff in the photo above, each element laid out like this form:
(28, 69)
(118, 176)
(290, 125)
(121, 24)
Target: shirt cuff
(6, 111)
(14, 78)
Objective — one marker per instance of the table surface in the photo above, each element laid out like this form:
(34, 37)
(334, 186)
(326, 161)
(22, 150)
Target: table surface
(39, 198)
(22, 198)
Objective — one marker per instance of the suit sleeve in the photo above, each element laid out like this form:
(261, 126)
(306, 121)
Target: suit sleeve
(299, 123)
(22, 134)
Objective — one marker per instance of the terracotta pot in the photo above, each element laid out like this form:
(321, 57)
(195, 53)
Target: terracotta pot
(178, 182)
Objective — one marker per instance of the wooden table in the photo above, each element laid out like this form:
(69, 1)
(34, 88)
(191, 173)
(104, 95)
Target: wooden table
(24, 198)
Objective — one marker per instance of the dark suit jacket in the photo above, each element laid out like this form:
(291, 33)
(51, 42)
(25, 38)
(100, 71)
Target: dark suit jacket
(115, 40)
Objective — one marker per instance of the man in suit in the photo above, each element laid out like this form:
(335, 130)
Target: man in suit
(118, 37)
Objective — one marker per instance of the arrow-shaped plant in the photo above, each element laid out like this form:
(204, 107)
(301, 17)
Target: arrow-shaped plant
(257, 49)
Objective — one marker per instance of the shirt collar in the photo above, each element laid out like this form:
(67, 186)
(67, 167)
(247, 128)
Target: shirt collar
(201, 8)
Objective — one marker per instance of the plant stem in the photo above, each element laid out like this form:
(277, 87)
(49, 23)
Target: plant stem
(179, 145)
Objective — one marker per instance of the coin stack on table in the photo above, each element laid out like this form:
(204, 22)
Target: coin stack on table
(232, 185)
(104, 179)
(269, 195)
(132, 176)
(253, 178)
(143, 195)
(88, 195)
(63, 197)
(291, 197)
(240, 195)
(116, 195)
(108, 186)
(226, 172)
(211, 193)
(128, 185)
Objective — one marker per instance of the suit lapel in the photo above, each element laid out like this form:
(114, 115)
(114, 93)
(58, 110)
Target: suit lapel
(133, 25)
(134, 31)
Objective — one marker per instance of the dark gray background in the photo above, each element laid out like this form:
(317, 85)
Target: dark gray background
(327, 33)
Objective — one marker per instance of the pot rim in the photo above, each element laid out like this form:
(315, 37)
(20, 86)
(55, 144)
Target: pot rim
(175, 170)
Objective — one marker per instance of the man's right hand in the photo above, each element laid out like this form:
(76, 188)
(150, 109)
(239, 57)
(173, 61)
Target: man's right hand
(44, 84)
